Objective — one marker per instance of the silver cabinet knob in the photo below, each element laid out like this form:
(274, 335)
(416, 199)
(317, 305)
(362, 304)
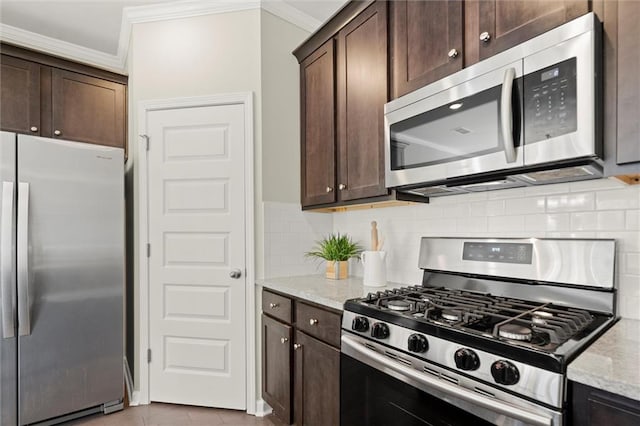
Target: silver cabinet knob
(57, 132)
(485, 36)
(313, 321)
(329, 189)
(235, 274)
(296, 346)
(33, 129)
(283, 340)
(452, 53)
(342, 186)
(273, 305)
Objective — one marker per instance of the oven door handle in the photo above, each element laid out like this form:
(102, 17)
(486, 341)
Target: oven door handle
(509, 410)
(506, 115)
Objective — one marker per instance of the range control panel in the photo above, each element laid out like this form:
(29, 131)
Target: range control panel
(498, 252)
(550, 102)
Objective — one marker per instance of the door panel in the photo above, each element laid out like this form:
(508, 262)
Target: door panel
(276, 366)
(197, 237)
(8, 340)
(21, 90)
(71, 355)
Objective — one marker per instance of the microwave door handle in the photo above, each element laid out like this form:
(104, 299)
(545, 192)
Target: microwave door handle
(506, 115)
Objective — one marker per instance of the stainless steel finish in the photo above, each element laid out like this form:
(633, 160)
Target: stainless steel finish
(33, 128)
(296, 346)
(283, 340)
(536, 383)
(24, 305)
(485, 36)
(235, 274)
(113, 406)
(581, 262)
(452, 53)
(329, 189)
(57, 132)
(506, 115)
(76, 267)
(582, 142)
(455, 388)
(313, 321)
(342, 186)
(6, 261)
(515, 332)
(273, 305)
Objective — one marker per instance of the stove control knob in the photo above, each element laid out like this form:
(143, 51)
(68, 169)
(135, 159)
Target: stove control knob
(505, 373)
(379, 330)
(466, 359)
(417, 343)
(360, 324)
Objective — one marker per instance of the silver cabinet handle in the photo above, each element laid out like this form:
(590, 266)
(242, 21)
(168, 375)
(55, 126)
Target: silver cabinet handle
(24, 320)
(506, 115)
(485, 36)
(57, 132)
(235, 274)
(283, 340)
(342, 186)
(6, 260)
(33, 128)
(329, 189)
(273, 305)
(296, 346)
(313, 321)
(356, 350)
(452, 53)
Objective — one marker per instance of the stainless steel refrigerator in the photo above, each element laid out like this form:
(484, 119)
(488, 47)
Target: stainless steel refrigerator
(61, 279)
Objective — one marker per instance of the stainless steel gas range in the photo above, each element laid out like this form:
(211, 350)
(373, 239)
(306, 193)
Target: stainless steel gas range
(485, 339)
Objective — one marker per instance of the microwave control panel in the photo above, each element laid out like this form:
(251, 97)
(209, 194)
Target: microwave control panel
(550, 102)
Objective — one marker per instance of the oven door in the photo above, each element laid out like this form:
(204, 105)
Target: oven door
(380, 386)
(470, 128)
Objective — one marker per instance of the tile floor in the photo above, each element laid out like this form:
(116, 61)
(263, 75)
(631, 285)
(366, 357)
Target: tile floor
(157, 414)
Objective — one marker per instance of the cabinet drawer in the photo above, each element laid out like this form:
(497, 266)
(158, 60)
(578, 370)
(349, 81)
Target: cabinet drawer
(319, 323)
(276, 306)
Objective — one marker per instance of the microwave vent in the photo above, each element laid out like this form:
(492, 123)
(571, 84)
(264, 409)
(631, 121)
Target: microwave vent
(559, 175)
(462, 130)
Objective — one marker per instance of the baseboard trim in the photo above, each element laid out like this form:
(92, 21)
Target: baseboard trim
(128, 381)
(262, 408)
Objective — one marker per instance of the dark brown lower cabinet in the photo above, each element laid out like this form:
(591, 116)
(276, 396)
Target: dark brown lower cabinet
(276, 366)
(595, 407)
(317, 382)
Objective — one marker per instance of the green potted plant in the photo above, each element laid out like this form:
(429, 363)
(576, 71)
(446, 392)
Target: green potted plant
(336, 250)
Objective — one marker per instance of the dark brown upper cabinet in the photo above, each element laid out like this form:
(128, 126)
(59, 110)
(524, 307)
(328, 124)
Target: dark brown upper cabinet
(318, 129)
(426, 42)
(496, 25)
(361, 95)
(20, 99)
(88, 109)
(47, 96)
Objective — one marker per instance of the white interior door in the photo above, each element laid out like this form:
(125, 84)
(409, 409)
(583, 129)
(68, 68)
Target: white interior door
(196, 190)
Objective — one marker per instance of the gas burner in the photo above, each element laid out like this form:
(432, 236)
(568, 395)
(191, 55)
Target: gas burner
(515, 332)
(451, 314)
(541, 317)
(398, 305)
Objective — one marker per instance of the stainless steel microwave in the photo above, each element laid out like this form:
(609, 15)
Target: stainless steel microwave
(526, 116)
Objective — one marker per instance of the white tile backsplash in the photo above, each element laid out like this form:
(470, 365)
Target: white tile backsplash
(602, 208)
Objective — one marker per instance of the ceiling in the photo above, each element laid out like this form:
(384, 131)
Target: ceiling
(95, 32)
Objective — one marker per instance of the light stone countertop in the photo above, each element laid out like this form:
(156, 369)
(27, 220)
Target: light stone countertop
(612, 363)
(321, 290)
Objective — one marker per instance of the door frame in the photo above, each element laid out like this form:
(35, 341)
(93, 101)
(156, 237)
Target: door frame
(144, 108)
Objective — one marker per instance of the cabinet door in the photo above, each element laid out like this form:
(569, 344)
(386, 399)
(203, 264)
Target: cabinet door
(276, 367)
(628, 82)
(426, 42)
(20, 99)
(511, 22)
(362, 93)
(594, 407)
(317, 110)
(88, 109)
(317, 382)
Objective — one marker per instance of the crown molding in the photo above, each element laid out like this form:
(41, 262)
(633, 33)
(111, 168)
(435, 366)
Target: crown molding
(149, 13)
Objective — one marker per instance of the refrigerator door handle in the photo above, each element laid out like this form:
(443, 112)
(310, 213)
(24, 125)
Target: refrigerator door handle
(24, 320)
(6, 261)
